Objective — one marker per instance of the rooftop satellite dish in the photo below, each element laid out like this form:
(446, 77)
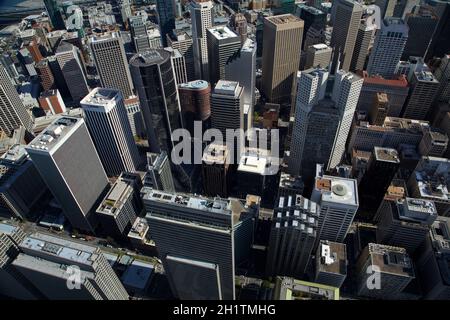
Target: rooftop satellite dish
(339, 189)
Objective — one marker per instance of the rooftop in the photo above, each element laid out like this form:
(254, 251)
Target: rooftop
(229, 88)
(393, 260)
(425, 76)
(386, 155)
(150, 57)
(337, 190)
(401, 81)
(291, 182)
(137, 275)
(194, 85)
(257, 161)
(101, 99)
(139, 229)
(432, 176)
(16, 155)
(332, 257)
(216, 154)
(416, 210)
(223, 32)
(283, 19)
(116, 198)
(440, 235)
(297, 212)
(293, 289)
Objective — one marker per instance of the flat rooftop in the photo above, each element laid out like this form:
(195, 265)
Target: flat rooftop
(386, 155)
(291, 182)
(297, 212)
(283, 19)
(150, 57)
(225, 87)
(425, 76)
(223, 32)
(440, 235)
(216, 154)
(116, 198)
(16, 154)
(416, 210)
(332, 257)
(432, 176)
(100, 97)
(139, 228)
(293, 289)
(105, 37)
(392, 260)
(338, 190)
(195, 85)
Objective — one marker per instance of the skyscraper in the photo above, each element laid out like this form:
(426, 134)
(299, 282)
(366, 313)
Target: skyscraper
(238, 23)
(223, 44)
(318, 56)
(195, 100)
(71, 65)
(241, 67)
(442, 74)
(379, 110)
(154, 80)
(388, 48)
(183, 42)
(45, 75)
(202, 19)
(346, 90)
(215, 170)
(159, 175)
(55, 14)
(166, 18)
(178, 64)
(139, 34)
(111, 62)
(211, 234)
(108, 124)
(65, 156)
(281, 56)
(364, 38)
(440, 43)
(345, 31)
(313, 18)
(13, 113)
(331, 263)
(292, 236)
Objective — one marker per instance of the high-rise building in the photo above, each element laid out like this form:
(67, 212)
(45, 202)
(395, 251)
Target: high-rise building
(42, 263)
(159, 174)
(238, 23)
(345, 31)
(290, 186)
(346, 91)
(379, 110)
(55, 14)
(65, 156)
(395, 269)
(178, 64)
(166, 18)
(45, 75)
(406, 222)
(366, 31)
(386, 7)
(292, 236)
(13, 113)
(422, 22)
(215, 170)
(434, 142)
(388, 48)
(331, 264)
(202, 19)
(135, 116)
(121, 205)
(423, 89)
(440, 43)
(292, 289)
(318, 56)
(442, 74)
(139, 34)
(21, 186)
(313, 18)
(195, 103)
(154, 81)
(111, 62)
(227, 106)
(184, 44)
(338, 200)
(281, 56)
(71, 65)
(223, 44)
(241, 67)
(107, 120)
(211, 234)
(52, 102)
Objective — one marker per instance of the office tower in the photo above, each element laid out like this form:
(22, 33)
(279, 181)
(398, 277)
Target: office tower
(345, 31)
(379, 110)
(238, 24)
(223, 44)
(440, 43)
(42, 260)
(429, 181)
(227, 106)
(386, 7)
(281, 56)
(381, 169)
(241, 67)
(119, 208)
(65, 156)
(292, 236)
(45, 75)
(202, 18)
(397, 90)
(13, 113)
(312, 17)
(139, 34)
(52, 102)
(422, 22)
(215, 170)
(346, 90)
(21, 186)
(178, 64)
(338, 201)
(318, 56)
(290, 186)
(55, 14)
(154, 81)
(58, 76)
(396, 191)
(159, 175)
(195, 103)
(331, 264)
(135, 116)
(184, 44)
(107, 120)
(292, 289)
(434, 261)
(71, 65)
(423, 90)
(166, 18)
(111, 62)
(364, 37)
(406, 222)
(388, 48)
(33, 49)
(211, 233)
(442, 74)
(395, 267)
(311, 85)
(434, 143)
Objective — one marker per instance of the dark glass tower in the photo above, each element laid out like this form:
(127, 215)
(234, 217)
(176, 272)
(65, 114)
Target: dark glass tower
(166, 16)
(154, 81)
(314, 18)
(55, 14)
(440, 43)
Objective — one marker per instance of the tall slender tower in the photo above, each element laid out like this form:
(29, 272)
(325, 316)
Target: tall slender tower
(54, 13)
(108, 124)
(364, 38)
(281, 56)
(166, 18)
(13, 113)
(202, 19)
(388, 48)
(111, 62)
(345, 31)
